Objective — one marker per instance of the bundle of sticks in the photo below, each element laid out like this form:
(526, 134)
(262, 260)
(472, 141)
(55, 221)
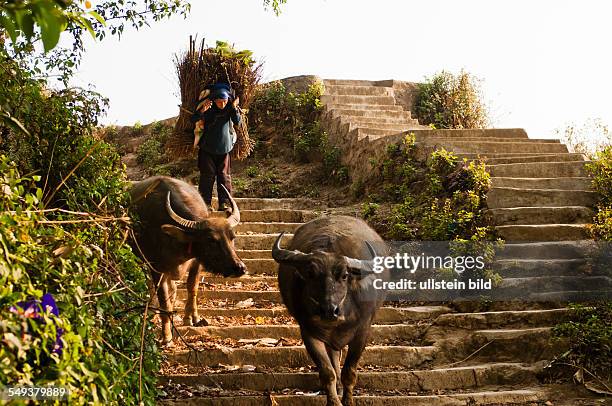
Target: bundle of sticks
(199, 67)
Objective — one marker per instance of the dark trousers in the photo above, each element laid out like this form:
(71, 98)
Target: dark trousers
(214, 167)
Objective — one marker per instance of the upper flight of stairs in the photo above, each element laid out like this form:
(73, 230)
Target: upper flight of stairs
(540, 191)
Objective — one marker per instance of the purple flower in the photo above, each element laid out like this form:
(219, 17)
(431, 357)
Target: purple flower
(34, 308)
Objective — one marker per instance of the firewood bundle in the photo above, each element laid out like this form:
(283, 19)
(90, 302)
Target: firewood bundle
(202, 66)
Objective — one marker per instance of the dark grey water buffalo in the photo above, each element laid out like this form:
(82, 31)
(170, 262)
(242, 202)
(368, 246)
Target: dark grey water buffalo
(176, 235)
(326, 281)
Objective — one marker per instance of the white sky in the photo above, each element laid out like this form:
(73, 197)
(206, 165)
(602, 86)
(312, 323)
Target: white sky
(543, 62)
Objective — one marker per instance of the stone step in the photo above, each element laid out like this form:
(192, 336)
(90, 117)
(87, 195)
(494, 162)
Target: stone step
(500, 197)
(537, 158)
(375, 121)
(539, 169)
(544, 232)
(266, 227)
(296, 356)
(259, 266)
(233, 295)
(541, 284)
(541, 215)
(272, 215)
(256, 203)
(363, 100)
(484, 147)
(264, 253)
(385, 314)
(439, 379)
(373, 133)
(515, 134)
(358, 90)
(577, 296)
(364, 109)
(507, 155)
(441, 140)
(516, 268)
(379, 333)
(502, 397)
(374, 127)
(258, 241)
(568, 183)
(499, 319)
(351, 82)
(547, 250)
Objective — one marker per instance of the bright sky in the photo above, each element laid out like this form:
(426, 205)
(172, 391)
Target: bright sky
(543, 63)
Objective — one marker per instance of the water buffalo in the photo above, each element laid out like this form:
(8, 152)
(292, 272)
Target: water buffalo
(326, 281)
(177, 236)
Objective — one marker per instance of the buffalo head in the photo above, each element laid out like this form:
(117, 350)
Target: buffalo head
(211, 240)
(327, 278)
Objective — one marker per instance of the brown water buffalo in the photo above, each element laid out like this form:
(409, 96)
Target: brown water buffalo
(176, 235)
(326, 280)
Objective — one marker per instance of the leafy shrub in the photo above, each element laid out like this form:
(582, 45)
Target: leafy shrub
(76, 250)
(274, 110)
(587, 138)
(451, 101)
(152, 152)
(590, 333)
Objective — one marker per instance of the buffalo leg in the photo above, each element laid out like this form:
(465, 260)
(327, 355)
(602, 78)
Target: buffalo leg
(327, 376)
(334, 357)
(163, 295)
(191, 309)
(349, 370)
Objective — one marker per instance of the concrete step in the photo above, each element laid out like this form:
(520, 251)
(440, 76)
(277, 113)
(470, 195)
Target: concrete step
(266, 227)
(363, 100)
(440, 139)
(272, 215)
(256, 203)
(540, 169)
(384, 315)
(351, 82)
(500, 197)
(544, 232)
(375, 121)
(541, 215)
(568, 183)
(499, 319)
(485, 147)
(396, 128)
(265, 253)
(547, 250)
(379, 333)
(258, 241)
(539, 284)
(439, 379)
(358, 90)
(537, 158)
(516, 268)
(296, 356)
(502, 397)
(365, 110)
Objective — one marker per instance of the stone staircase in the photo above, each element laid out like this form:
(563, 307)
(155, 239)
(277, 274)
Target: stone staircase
(419, 354)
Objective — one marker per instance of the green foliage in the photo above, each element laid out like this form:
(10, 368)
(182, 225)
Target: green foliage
(440, 199)
(252, 171)
(296, 116)
(589, 330)
(152, 153)
(600, 170)
(369, 209)
(75, 250)
(451, 101)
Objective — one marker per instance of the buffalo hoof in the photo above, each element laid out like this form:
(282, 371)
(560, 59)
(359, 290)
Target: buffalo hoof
(201, 323)
(165, 344)
(347, 400)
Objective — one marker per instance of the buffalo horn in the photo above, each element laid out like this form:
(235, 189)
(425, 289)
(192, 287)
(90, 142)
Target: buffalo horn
(234, 219)
(282, 255)
(190, 224)
(365, 266)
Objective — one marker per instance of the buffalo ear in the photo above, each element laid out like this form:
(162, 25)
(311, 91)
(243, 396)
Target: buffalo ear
(176, 233)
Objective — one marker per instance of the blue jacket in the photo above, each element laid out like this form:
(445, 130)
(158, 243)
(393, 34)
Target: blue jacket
(216, 138)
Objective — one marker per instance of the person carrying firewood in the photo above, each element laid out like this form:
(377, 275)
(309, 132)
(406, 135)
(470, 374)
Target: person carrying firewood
(214, 134)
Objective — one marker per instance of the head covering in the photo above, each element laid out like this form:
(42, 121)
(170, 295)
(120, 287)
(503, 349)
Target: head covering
(221, 94)
(215, 91)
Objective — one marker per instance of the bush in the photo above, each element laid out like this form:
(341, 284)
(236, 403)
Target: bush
(451, 101)
(76, 250)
